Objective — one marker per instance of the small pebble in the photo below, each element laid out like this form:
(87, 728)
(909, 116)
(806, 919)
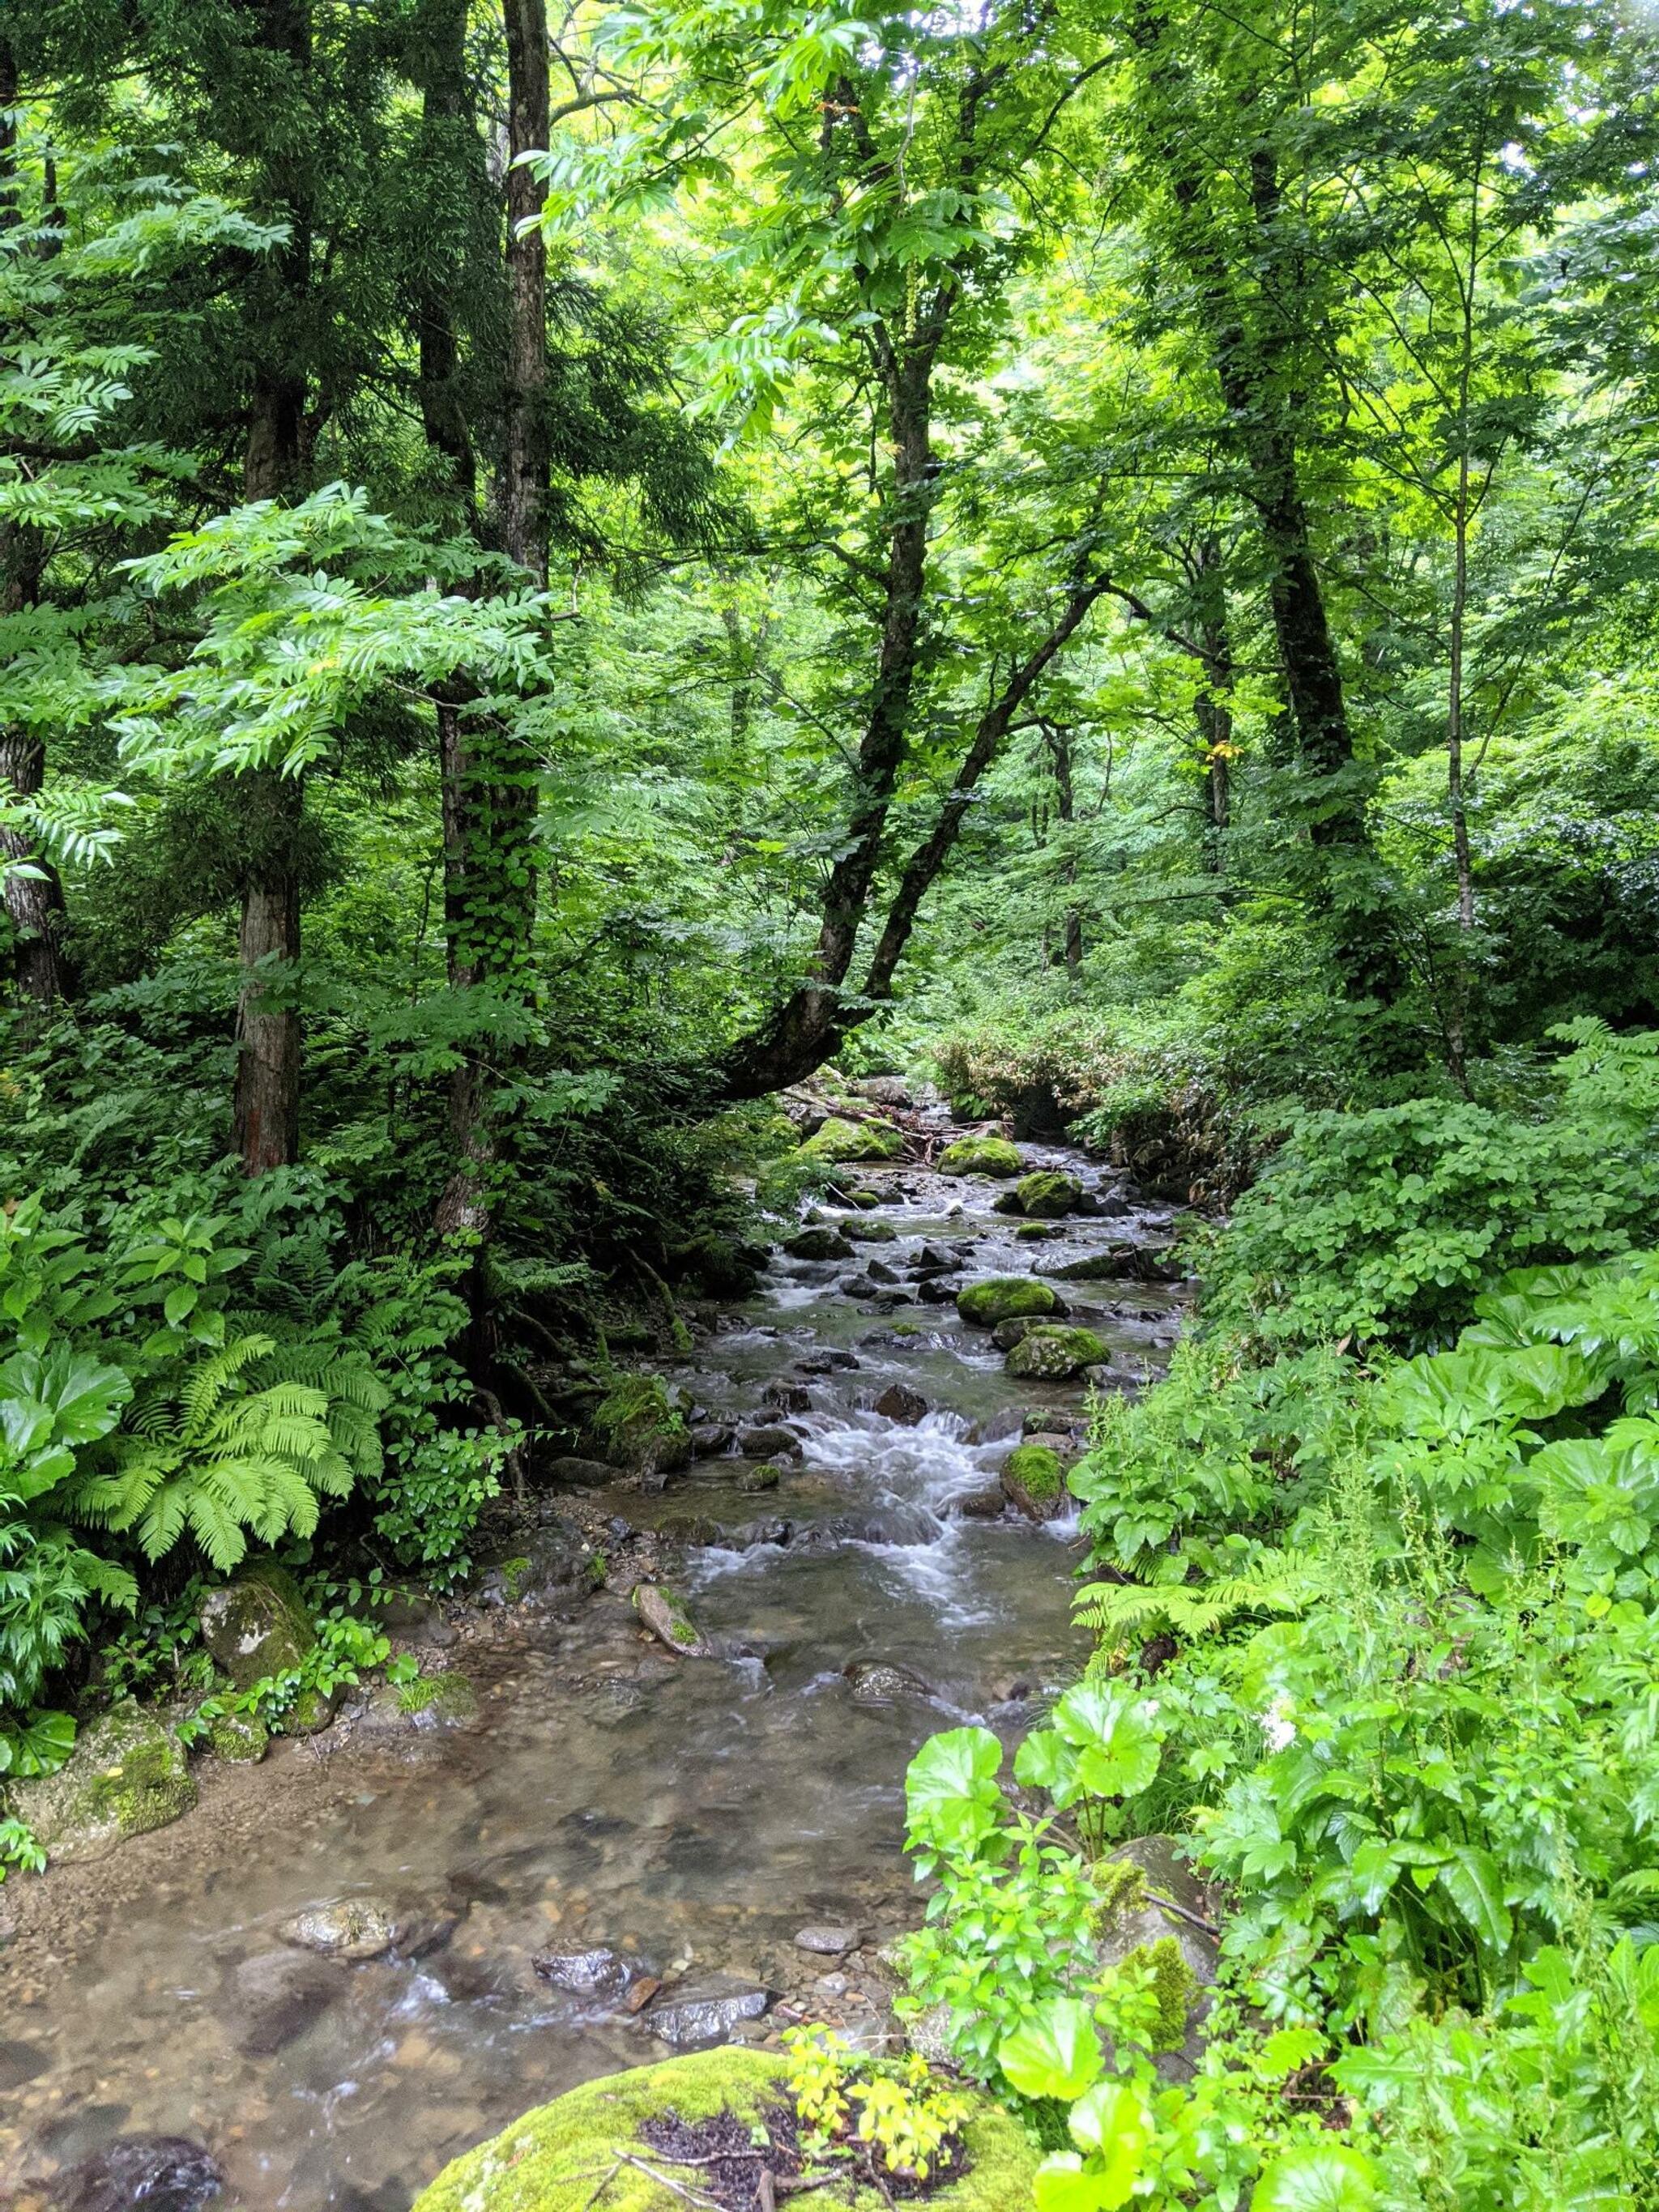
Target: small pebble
(831, 1941)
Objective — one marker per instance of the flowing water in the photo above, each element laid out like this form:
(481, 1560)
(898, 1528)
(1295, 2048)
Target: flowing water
(693, 1812)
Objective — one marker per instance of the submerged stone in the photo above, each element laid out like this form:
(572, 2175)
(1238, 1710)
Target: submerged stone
(693, 2017)
(900, 1403)
(161, 2173)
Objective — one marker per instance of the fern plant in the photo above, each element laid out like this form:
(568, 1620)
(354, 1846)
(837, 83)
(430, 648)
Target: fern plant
(251, 1441)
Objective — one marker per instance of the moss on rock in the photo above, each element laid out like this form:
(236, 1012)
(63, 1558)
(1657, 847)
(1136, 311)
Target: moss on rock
(1005, 1297)
(838, 1140)
(1048, 1194)
(127, 1776)
(986, 1155)
(241, 1738)
(555, 2158)
(257, 1626)
(638, 1428)
(1034, 1480)
(1054, 1355)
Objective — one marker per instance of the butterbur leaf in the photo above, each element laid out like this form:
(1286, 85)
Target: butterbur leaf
(1116, 1736)
(1331, 2179)
(1471, 1879)
(1063, 2185)
(1046, 1761)
(1056, 2053)
(1113, 2122)
(951, 1792)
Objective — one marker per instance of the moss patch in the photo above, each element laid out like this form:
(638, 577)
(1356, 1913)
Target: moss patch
(986, 1155)
(1049, 1194)
(1052, 1355)
(637, 1428)
(1003, 1298)
(855, 1141)
(557, 2158)
(127, 1776)
(1035, 1468)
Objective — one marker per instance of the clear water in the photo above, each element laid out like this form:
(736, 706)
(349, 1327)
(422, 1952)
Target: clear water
(697, 1813)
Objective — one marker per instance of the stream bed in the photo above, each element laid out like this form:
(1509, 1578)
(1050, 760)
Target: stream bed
(691, 1816)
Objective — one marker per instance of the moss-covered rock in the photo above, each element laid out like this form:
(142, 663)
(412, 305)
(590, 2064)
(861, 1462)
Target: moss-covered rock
(556, 2157)
(986, 1155)
(257, 1626)
(820, 1242)
(869, 1230)
(127, 1776)
(1003, 1298)
(637, 1427)
(719, 1266)
(1034, 1481)
(841, 1141)
(242, 1738)
(664, 1613)
(310, 1714)
(1054, 1355)
(1048, 1194)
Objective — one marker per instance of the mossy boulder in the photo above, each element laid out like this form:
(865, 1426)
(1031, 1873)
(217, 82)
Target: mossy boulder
(719, 1266)
(1054, 1355)
(637, 1427)
(664, 1613)
(1048, 1194)
(242, 1738)
(838, 1140)
(258, 1625)
(820, 1242)
(1003, 1298)
(1034, 1481)
(868, 1230)
(556, 2157)
(986, 1155)
(127, 1776)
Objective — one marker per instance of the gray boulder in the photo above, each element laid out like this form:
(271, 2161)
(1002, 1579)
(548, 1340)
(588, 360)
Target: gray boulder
(127, 1776)
(257, 1625)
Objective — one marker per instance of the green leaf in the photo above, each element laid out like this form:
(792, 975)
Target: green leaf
(1046, 1761)
(1331, 2179)
(1117, 1741)
(1056, 2053)
(951, 1792)
(1472, 1880)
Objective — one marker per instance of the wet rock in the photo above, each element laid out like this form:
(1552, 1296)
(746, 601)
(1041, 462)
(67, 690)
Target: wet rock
(842, 1140)
(576, 1474)
(787, 1397)
(900, 1403)
(831, 1361)
(1003, 1298)
(1034, 1482)
(984, 1505)
(696, 2016)
(829, 1942)
(274, 1996)
(869, 1286)
(1035, 1232)
(986, 1155)
(930, 1261)
(720, 1266)
(1055, 1355)
(1007, 1334)
(161, 2173)
(689, 1528)
(257, 1625)
(878, 1271)
(355, 1929)
(664, 1613)
(127, 1776)
(884, 1090)
(1008, 1202)
(881, 1682)
(20, 2062)
(823, 1243)
(763, 1477)
(711, 1439)
(1112, 1264)
(937, 1293)
(555, 1557)
(1049, 1194)
(595, 1972)
(870, 1230)
(769, 1442)
(429, 1704)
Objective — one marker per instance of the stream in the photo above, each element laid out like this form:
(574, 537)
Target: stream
(691, 1815)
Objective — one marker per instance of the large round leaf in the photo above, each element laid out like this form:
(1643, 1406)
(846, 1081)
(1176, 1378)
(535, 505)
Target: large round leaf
(951, 1793)
(1116, 1736)
(1330, 2177)
(1056, 2053)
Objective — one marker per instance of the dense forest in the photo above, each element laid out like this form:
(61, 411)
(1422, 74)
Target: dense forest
(585, 594)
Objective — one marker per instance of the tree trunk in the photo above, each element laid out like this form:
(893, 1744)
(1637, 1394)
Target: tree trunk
(265, 1105)
(1212, 705)
(1059, 743)
(492, 776)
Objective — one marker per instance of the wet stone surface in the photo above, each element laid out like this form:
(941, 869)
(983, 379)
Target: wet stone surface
(608, 1797)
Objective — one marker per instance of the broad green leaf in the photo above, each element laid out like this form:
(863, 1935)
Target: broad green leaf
(1331, 2178)
(1116, 1735)
(1056, 2053)
(1046, 1761)
(951, 1792)
(1113, 2123)
(1064, 2185)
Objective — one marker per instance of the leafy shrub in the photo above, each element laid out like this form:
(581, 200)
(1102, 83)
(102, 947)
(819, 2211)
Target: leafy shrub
(1385, 1224)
